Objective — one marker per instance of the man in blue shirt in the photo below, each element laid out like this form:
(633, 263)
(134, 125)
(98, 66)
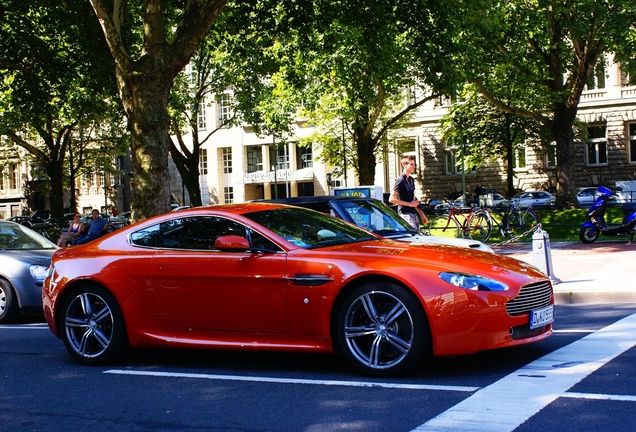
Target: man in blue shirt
(96, 227)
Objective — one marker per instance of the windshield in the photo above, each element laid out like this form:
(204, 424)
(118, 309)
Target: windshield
(372, 215)
(307, 228)
(15, 236)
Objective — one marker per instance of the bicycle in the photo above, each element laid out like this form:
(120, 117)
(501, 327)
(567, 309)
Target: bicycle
(517, 221)
(476, 224)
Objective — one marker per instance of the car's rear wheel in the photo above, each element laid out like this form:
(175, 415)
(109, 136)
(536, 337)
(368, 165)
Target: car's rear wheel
(382, 330)
(92, 325)
(9, 309)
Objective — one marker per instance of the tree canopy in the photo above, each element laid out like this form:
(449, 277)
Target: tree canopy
(55, 82)
(549, 49)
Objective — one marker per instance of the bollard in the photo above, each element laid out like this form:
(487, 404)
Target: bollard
(542, 254)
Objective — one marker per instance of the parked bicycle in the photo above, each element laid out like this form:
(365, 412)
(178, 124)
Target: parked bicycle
(475, 224)
(516, 221)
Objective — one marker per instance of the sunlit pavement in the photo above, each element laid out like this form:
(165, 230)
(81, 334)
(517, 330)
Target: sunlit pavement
(602, 272)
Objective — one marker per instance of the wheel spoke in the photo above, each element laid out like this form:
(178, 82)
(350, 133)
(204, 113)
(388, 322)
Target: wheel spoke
(86, 305)
(376, 352)
(102, 315)
(101, 338)
(82, 347)
(352, 332)
(398, 343)
(394, 314)
(369, 307)
(76, 322)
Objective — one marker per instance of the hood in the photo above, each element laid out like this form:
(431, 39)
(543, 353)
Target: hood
(419, 239)
(39, 256)
(440, 257)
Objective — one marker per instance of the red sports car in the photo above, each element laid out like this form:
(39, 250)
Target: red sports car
(275, 277)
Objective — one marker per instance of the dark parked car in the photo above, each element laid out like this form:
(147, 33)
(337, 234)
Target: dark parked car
(24, 259)
(374, 215)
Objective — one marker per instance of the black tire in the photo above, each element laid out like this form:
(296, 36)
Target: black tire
(589, 234)
(9, 308)
(382, 330)
(92, 326)
(480, 226)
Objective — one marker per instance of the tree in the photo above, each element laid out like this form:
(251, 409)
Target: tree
(370, 63)
(51, 58)
(552, 47)
(487, 133)
(238, 60)
(151, 41)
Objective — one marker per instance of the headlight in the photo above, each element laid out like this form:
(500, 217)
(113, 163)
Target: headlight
(472, 282)
(38, 272)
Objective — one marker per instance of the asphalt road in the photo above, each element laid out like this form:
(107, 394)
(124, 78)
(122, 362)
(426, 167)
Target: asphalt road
(581, 379)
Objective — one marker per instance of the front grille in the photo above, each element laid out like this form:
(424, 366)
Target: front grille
(530, 297)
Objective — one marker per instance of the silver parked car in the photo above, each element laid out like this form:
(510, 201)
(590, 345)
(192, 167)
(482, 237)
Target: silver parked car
(25, 257)
(586, 197)
(535, 199)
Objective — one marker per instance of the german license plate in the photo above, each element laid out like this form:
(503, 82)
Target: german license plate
(541, 317)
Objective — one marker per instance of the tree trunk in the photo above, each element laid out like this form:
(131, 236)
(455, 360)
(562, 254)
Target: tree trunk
(149, 147)
(561, 128)
(365, 146)
(56, 197)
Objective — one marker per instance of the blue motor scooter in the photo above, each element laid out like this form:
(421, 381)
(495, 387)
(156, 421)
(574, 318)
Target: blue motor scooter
(595, 226)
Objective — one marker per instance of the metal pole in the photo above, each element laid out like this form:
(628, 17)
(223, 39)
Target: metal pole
(344, 154)
(463, 174)
(275, 167)
(287, 168)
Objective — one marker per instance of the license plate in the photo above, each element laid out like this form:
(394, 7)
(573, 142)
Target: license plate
(541, 317)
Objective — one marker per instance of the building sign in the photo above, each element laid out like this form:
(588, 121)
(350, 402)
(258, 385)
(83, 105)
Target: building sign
(278, 176)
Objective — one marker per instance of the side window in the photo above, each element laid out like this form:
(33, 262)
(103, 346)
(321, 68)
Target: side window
(147, 237)
(261, 242)
(193, 233)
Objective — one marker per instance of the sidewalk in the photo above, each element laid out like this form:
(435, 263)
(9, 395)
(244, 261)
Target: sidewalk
(603, 272)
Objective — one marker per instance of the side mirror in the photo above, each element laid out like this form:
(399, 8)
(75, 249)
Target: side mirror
(232, 243)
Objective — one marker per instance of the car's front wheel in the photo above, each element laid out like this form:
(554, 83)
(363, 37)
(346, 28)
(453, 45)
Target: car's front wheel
(9, 309)
(92, 325)
(382, 330)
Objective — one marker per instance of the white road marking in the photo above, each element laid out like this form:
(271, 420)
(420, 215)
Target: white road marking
(597, 396)
(574, 331)
(294, 381)
(512, 400)
(25, 326)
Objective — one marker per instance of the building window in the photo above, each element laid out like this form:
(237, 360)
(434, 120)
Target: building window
(228, 194)
(254, 159)
(597, 79)
(224, 107)
(203, 161)
(278, 153)
(596, 146)
(227, 160)
(14, 180)
(453, 160)
(201, 123)
(520, 158)
(2, 182)
(550, 156)
(305, 157)
(631, 142)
